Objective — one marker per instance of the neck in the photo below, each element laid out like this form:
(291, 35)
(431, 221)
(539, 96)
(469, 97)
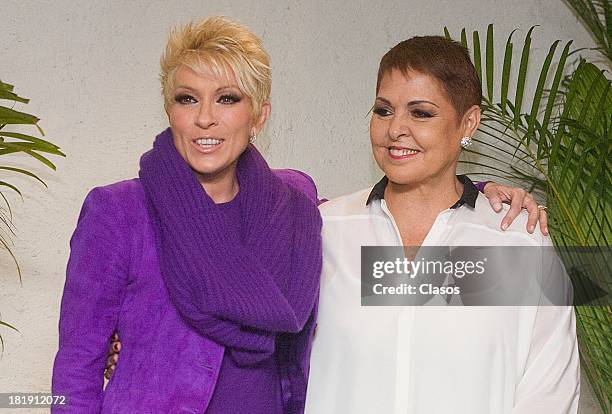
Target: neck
(433, 195)
(221, 188)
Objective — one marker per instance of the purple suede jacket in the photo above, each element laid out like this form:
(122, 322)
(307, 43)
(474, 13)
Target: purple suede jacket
(114, 283)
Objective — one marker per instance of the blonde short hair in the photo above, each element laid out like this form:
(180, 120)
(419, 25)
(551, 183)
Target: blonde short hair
(222, 46)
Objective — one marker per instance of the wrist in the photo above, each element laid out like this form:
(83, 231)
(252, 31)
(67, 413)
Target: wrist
(481, 185)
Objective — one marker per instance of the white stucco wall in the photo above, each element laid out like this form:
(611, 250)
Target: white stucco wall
(91, 71)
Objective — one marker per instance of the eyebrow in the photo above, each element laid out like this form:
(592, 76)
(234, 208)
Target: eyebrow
(411, 103)
(222, 88)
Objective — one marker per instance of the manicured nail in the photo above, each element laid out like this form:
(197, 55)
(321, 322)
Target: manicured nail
(505, 226)
(497, 206)
(545, 230)
(531, 228)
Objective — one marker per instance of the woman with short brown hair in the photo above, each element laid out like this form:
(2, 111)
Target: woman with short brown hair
(433, 359)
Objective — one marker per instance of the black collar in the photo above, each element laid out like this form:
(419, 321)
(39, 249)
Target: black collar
(470, 192)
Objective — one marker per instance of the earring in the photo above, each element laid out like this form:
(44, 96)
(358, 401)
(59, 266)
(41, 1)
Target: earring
(466, 142)
(253, 138)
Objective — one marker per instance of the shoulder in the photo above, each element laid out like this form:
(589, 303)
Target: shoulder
(353, 204)
(299, 181)
(128, 190)
(109, 216)
(487, 222)
(123, 198)
(122, 192)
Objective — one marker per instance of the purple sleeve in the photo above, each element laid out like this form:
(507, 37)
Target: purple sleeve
(300, 181)
(305, 183)
(294, 373)
(93, 292)
(481, 185)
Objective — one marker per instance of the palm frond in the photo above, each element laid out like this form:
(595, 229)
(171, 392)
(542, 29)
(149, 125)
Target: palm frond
(560, 149)
(597, 17)
(17, 143)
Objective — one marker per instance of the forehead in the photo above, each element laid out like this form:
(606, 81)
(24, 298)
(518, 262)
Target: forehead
(396, 86)
(204, 76)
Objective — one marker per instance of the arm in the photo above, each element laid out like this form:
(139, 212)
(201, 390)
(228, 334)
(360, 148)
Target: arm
(496, 193)
(91, 302)
(551, 380)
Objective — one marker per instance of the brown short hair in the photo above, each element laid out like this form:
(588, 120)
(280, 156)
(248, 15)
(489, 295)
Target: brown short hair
(445, 60)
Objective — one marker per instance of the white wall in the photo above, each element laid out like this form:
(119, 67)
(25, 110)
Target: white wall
(91, 71)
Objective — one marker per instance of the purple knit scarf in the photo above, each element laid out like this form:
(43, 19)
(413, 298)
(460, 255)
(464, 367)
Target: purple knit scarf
(241, 290)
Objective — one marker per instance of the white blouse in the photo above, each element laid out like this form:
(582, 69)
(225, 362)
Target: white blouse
(433, 360)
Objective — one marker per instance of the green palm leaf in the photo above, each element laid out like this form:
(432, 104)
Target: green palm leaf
(8, 325)
(597, 17)
(17, 143)
(561, 150)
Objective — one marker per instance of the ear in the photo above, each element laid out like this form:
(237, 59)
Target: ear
(262, 118)
(471, 121)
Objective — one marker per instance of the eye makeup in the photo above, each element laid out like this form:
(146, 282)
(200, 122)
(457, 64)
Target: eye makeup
(229, 99)
(185, 99)
(381, 111)
(421, 113)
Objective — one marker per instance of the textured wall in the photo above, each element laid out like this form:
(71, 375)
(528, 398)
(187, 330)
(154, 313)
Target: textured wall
(91, 69)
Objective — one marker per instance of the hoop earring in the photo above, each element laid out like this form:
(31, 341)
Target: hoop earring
(466, 142)
(253, 138)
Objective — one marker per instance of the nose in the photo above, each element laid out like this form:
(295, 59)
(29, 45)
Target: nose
(398, 127)
(206, 116)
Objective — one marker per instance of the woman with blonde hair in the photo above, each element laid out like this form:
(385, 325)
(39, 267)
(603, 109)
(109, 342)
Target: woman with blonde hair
(207, 266)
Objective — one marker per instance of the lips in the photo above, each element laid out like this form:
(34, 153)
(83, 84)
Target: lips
(401, 153)
(206, 145)
(208, 141)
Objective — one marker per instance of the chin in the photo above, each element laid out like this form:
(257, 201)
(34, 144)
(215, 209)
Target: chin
(404, 179)
(403, 175)
(206, 164)
(211, 168)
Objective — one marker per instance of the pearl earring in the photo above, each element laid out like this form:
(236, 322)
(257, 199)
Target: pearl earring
(253, 138)
(466, 142)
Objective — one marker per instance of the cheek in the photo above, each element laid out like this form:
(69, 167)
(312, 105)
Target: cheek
(452, 140)
(238, 122)
(433, 137)
(178, 119)
(377, 131)
(440, 148)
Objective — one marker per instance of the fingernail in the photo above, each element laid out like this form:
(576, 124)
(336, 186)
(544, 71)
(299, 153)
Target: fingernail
(545, 230)
(505, 226)
(497, 206)
(531, 228)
